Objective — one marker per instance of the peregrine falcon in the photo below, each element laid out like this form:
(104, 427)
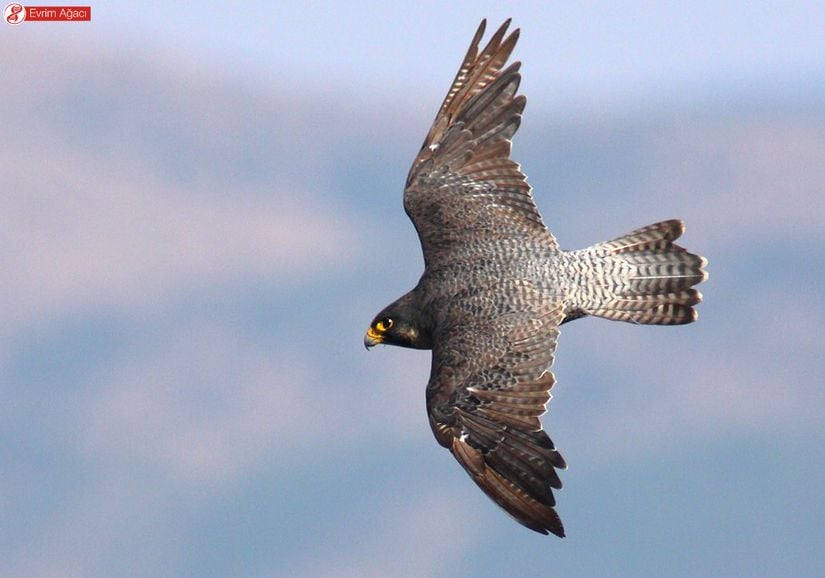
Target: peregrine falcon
(496, 287)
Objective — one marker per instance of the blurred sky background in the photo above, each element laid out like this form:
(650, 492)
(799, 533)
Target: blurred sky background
(200, 213)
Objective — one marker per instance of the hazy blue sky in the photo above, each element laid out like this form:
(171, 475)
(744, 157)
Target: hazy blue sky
(200, 212)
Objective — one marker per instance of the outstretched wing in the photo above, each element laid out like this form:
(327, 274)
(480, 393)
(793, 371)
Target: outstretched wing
(463, 186)
(489, 384)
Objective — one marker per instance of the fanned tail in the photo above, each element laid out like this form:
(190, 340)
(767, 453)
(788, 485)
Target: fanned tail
(648, 279)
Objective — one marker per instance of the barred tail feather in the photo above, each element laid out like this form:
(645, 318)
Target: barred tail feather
(651, 277)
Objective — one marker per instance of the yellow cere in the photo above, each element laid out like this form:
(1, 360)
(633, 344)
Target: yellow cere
(374, 335)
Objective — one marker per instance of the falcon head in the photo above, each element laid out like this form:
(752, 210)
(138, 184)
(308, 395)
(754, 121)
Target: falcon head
(398, 324)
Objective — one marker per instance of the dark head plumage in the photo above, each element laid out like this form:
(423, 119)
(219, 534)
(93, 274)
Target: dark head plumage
(399, 323)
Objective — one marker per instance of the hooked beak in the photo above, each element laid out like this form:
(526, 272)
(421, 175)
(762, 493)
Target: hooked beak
(371, 339)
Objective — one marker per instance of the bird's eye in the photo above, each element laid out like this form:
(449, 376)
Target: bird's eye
(384, 324)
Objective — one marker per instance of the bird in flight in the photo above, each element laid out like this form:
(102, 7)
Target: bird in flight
(496, 287)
